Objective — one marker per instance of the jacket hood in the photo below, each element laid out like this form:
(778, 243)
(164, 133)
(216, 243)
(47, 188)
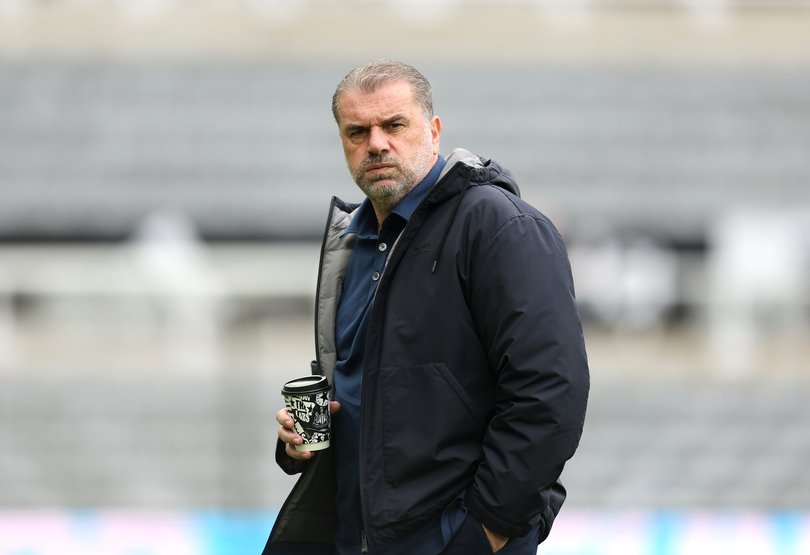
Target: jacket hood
(482, 171)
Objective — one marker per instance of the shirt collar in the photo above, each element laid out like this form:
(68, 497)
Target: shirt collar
(364, 223)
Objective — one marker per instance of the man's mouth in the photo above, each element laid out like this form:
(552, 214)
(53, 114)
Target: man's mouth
(374, 167)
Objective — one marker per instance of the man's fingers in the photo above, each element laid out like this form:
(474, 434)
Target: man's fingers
(289, 436)
(286, 431)
(299, 455)
(283, 417)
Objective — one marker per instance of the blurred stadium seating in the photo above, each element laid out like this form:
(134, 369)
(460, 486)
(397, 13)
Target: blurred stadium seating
(249, 150)
(189, 443)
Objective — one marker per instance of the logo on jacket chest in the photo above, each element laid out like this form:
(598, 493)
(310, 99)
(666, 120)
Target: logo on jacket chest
(416, 250)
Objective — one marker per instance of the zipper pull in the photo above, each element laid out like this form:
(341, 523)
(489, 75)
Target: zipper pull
(363, 543)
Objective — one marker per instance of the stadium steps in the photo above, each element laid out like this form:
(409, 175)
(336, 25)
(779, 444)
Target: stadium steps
(676, 445)
(209, 442)
(250, 149)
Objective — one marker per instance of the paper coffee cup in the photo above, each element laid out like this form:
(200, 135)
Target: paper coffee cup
(307, 400)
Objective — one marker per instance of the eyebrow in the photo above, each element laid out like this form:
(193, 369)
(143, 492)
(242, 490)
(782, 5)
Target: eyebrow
(388, 121)
(395, 118)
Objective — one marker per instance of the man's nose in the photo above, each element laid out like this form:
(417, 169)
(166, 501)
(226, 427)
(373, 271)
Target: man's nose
(377, 141)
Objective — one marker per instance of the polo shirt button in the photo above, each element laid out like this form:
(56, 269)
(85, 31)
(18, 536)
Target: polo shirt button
(382, 247)
(375, 276)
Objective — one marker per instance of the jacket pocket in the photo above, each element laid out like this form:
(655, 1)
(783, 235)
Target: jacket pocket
(461, 393)
(432, 438)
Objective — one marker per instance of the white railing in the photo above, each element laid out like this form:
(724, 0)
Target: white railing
(185, 288)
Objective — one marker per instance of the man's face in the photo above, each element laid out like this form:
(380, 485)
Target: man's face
(388, 144)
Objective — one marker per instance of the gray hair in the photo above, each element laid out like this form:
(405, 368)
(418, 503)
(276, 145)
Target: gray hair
(373, 75)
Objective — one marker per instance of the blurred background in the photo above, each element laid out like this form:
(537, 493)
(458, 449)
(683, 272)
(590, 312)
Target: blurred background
(165, 172)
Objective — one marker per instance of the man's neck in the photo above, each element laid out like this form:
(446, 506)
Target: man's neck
(381, 216)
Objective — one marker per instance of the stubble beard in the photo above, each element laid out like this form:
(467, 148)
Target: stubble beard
(386, 189)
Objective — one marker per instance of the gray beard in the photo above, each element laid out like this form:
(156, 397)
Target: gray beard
(389, 195)
(405, 179)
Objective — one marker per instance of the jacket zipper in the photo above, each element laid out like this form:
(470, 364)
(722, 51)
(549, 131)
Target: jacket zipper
(391, 252)
(363, 543)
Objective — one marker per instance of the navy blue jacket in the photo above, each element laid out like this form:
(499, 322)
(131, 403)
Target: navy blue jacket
(475, 376)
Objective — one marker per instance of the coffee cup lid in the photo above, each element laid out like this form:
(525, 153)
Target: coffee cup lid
(306, 384)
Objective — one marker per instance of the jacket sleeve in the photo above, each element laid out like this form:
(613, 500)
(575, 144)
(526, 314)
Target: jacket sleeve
(522, 300)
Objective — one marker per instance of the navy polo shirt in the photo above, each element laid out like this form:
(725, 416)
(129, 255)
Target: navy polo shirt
(363, 273)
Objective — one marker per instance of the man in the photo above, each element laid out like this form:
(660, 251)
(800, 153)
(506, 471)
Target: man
(447, 325)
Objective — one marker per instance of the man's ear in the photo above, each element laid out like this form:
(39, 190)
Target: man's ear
(435, 132)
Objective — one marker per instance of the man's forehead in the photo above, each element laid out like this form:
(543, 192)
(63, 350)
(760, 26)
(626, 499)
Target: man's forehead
(385, 102)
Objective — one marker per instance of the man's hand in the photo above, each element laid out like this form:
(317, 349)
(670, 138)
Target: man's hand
(496, 541)
(288, 435)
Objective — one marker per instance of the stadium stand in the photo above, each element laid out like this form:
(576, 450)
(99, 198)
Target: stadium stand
(649, 444)
(249, 150)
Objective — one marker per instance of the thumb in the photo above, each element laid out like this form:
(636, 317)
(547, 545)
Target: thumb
(334, 406)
